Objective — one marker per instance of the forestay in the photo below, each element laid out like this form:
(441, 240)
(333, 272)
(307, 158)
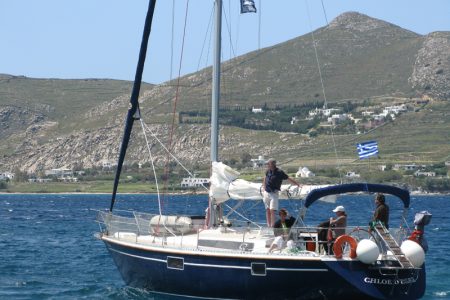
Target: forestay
(225, 185)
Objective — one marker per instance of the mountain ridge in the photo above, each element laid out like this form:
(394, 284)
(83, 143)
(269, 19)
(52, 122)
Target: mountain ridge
(50, 123)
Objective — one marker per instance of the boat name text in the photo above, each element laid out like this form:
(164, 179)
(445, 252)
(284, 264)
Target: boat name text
(408, 280)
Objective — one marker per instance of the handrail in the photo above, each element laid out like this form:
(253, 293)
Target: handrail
(117, 226)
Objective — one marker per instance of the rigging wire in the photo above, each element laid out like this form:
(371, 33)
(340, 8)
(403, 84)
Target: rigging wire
(237, 32)
(241, 215)
(172, 39)
(324, 12)
(259, 24)
(172, 129)
(232, 51)
(227, 77)
(207, 33)
(153, 166)
(153, 134)
(322, 83)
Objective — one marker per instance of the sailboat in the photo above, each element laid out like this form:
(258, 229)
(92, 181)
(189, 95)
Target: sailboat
(207, 257)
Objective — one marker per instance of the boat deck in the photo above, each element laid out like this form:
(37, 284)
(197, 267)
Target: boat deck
(222, 240)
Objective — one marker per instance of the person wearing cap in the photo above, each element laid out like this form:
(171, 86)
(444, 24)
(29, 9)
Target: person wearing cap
(271, 187)
(381, 213)
(330, 229)
(340, 222)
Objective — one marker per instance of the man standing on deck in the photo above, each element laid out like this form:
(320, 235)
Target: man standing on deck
(271, 187)
(381, 213)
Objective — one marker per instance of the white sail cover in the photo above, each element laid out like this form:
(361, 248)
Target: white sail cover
(226, 185)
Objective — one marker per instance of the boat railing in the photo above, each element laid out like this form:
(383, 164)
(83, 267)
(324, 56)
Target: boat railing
(124, 222)
(321, 239)
(144, 227)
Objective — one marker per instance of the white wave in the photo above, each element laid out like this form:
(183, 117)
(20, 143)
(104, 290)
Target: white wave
(441, 294)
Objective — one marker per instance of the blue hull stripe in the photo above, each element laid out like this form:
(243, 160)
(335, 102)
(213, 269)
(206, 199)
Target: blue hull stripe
(138, 256)
(219, 266)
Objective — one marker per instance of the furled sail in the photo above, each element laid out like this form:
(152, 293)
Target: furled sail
(225, 185)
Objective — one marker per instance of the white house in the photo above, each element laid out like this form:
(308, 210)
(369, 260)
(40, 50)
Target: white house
(304, 172)
(355, 120)
(61, 172)
(194, 182)
(315, 112)
(352, 174)
(329, 111)
(257, 110)
(6, 176)
(410, 167)
(367, 113)
(107, 164)
(39, 180)
(425, 174)
(258, 162)
(68, 179)
(324, 112)
(337, 118)
(379, 117)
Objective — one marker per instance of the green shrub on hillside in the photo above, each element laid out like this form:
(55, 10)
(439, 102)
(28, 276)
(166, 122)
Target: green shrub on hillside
(3, 185)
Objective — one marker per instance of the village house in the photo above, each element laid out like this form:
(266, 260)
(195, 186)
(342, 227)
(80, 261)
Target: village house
(337, 118)
(351, 174)
(322, 112)
(304, 172)
(6, 176)
(257, 110)
(39, 180)
(62, 172)
(258, 162)
(107, 164)
(194, 182)
(409, 167)
(419, 173)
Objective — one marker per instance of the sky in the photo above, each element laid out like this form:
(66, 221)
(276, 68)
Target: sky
(101, 38)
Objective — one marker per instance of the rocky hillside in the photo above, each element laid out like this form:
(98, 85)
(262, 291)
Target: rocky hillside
(431, 68)
(51, 123)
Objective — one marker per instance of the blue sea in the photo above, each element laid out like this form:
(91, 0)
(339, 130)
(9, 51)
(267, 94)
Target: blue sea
(48, 249)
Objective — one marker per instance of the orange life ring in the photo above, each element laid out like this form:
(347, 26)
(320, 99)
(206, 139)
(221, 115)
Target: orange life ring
(340, 241)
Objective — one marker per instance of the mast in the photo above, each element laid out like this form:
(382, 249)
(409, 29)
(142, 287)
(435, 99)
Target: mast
(215, 100)
(133, 111)
(216, 80)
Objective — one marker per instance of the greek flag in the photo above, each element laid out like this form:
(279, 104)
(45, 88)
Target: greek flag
(248, 6)
(367, 149)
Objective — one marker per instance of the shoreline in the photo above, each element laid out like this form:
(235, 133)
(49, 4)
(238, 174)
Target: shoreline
(99, 193)
(153, 193)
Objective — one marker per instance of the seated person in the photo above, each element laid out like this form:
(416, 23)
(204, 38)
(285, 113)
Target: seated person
(331, 229)
(281, 230)
(340, 222)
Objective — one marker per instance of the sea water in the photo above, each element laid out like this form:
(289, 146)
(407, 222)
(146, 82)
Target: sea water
(48, 249)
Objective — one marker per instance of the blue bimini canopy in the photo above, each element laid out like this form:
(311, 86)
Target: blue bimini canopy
(358, 187)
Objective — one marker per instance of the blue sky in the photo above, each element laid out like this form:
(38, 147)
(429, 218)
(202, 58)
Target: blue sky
(101, 38)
